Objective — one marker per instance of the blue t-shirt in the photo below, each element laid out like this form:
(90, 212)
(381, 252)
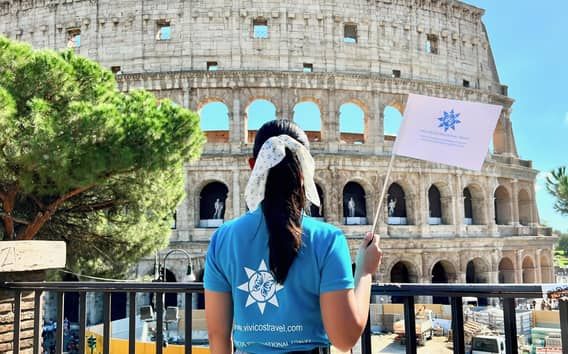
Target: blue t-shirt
(269, 317)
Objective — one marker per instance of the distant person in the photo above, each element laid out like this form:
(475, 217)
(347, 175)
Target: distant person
(277, 280)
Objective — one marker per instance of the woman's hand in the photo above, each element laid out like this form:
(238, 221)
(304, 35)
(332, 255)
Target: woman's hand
(368, 256)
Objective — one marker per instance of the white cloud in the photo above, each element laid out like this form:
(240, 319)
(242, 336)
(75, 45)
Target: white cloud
(566, 118)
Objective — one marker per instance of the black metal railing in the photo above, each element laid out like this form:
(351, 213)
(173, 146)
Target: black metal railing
(408, 292)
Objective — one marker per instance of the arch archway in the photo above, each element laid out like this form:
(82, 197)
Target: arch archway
(308, 116)
(434, 206)
(524, 207)
(214, 121)
(529, 270)
(443, 272)
(396, 205)
(212, 204)
(392, 119)
(506, 271)
(402, 272)
(467, 207)
(258, 112)
(315, 211)
(502, 206)
(352, 124)
(354, 204)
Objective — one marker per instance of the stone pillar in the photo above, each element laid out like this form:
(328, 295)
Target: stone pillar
(515, 203)
(421, 211)
(376, 120)
(490, 206)
(519, 267)
(459, 208)
(24, 261)
(538, 267)
(332, 124)
(238, 133)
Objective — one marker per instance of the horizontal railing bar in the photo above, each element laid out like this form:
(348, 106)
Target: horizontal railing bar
(455, 290)
(104, 286)
(460, 290)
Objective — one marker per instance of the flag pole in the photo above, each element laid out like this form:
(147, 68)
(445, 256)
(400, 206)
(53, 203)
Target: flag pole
(380, 205)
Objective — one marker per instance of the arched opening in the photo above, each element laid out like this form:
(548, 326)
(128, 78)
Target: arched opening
(351, 124)
(315, 211)
(257, 113)
(467, 207)
(506, 271)
(443, 272)
(214, 121)
(528, 270)
(392, 119)
(308, 116)
(212, 204)
(396, 205)
(402, 272)
(434, 206)
(354, 204)
(524, 208)
(546, 270)
(477, 272)
(502, 206)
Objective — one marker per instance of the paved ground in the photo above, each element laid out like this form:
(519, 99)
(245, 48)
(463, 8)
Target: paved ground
(386, 344)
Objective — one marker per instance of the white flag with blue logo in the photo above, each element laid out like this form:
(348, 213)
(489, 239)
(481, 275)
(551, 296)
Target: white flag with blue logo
(447, 131)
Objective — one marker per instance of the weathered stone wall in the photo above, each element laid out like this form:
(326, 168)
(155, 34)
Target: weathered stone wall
(391, 35)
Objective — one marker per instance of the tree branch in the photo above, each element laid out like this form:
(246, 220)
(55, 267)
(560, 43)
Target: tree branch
(18, 220)
(41, 218)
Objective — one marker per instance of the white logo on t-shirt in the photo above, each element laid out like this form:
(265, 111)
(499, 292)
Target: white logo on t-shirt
(261, 287)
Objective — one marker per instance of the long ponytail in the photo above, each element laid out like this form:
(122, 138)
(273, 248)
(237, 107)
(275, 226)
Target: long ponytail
(284, 200)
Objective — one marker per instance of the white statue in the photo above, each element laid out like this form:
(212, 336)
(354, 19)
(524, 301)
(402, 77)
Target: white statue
(218, 209)
(392, 205)
(351, 207)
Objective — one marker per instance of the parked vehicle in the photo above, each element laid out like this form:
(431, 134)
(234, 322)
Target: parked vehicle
(488, 345)
(424, 327)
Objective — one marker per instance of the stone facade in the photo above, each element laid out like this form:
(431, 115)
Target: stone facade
(369, 53)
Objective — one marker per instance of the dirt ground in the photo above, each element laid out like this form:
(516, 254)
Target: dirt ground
(386, 344)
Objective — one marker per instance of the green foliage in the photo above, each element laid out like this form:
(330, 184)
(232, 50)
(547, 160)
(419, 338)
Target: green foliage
(83, 162)
(563, 244)
(557, 185)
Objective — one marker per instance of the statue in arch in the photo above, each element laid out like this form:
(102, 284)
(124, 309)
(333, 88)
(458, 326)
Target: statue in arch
(218, 209)
(351, 207)
(391, 206)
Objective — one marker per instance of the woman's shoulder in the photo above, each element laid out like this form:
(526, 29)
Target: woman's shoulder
(247, 221)
(317, 230)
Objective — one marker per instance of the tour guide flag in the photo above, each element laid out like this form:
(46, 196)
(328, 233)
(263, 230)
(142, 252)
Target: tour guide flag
(446, 131)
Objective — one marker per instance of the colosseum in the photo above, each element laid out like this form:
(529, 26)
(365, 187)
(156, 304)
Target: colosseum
(225, 59)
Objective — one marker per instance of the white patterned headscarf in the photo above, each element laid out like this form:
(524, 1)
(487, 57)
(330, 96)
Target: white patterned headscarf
(271, 154)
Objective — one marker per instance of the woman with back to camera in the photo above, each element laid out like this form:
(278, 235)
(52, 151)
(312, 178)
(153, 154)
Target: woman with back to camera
(276, 280)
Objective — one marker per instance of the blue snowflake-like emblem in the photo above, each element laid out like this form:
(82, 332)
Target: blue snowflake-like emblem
(449, 120)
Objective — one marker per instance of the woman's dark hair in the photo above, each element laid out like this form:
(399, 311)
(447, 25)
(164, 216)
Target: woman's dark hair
(284, 199)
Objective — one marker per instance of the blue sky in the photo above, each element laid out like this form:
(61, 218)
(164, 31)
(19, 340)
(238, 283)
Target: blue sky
(530, 43)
